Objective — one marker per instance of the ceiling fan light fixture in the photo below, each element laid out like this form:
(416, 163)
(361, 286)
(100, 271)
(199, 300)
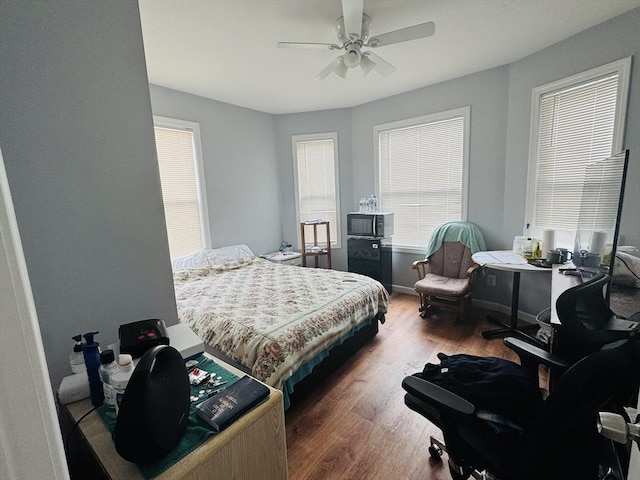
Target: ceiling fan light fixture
(352, 57)
(352, 30)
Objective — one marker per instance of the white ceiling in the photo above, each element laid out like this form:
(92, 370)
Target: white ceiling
(226, 49)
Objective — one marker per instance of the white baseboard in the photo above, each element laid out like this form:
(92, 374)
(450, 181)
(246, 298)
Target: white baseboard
(496, 307)
(504, 309)
(405, 290)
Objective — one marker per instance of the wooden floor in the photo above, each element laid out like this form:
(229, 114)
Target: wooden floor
(355, 424)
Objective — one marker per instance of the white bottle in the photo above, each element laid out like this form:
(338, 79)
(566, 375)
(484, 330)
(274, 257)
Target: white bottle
(120, 379)
(108, 368)
(76, 359)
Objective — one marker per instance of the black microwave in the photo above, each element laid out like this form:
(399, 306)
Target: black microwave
(379, 224)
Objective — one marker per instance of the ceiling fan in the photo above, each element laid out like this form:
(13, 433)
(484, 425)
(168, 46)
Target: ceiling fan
(353, 33)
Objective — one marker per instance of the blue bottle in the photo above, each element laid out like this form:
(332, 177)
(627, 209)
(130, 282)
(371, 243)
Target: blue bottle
(92, 360)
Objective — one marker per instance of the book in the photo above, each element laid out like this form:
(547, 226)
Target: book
(223, 408)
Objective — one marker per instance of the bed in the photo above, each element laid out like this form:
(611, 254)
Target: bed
(277, 322)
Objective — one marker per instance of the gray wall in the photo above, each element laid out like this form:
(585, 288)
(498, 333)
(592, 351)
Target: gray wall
(307, 123)
(77, 139)
(484, 92)
(500, 101)
(604, 43)
(240, 168)
(76, 133)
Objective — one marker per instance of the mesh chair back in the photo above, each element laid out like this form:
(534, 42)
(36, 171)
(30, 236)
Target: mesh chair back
(585, 315)
(562, 440)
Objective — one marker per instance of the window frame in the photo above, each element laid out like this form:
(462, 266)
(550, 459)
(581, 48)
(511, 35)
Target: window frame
(311, 137)
(565, 237)
(194, 128)
(465, 113)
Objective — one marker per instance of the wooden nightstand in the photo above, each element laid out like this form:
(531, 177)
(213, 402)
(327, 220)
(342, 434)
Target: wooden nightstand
(285, 258)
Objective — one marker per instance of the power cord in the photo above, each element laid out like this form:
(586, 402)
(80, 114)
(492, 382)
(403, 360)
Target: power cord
(73, 428)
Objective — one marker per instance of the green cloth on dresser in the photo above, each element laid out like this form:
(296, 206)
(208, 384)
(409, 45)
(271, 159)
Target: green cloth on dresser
(197, 430)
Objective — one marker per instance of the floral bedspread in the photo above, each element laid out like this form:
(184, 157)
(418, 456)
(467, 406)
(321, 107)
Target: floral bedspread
(273, 318)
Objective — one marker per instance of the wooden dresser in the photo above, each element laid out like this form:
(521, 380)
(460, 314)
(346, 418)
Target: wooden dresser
(252, 447)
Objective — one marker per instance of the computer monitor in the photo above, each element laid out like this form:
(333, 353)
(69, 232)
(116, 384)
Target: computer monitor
(599, 218)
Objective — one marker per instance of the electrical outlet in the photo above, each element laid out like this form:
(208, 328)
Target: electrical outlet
(491, 280)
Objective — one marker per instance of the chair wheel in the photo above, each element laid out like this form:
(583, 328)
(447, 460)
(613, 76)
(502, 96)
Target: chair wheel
(435, 452)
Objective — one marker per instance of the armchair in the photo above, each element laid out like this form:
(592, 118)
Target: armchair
(445, 276)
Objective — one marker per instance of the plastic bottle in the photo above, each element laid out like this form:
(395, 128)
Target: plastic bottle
(108, 368)
(537, 249)
(76, 359)
(528, 248)
(120, 379)
(92, 361)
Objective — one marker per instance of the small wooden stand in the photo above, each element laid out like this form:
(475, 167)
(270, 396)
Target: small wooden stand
(324, 249)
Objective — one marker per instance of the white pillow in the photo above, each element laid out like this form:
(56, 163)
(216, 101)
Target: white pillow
(191, 261)
(211, 257)
(218, 256)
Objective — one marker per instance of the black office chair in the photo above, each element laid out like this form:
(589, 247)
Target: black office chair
(587, 322)
(557, 440)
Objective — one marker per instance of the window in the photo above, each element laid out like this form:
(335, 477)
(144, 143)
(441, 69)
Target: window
(182, 180)
(575, 122)
(422, 174)
(316, 174)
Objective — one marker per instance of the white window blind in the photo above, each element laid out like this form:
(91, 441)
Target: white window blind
(601, 194)
(576, 128)
(423, 176)
(181, 191)
(316, 172)
(577, 122)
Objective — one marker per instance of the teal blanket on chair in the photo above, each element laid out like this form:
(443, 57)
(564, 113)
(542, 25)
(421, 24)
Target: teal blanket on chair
(463, 232)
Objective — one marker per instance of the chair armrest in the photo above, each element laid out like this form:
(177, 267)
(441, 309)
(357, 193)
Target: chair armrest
(420, 266)
(437, 396)
(471, 271)
(529, 353)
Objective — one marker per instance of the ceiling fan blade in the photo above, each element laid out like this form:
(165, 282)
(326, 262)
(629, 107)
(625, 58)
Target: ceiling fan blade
(366, 64)
(352, 13)
(341, 69)
(315, 46)
(335, 63)
(403, 35)
(381, 65)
